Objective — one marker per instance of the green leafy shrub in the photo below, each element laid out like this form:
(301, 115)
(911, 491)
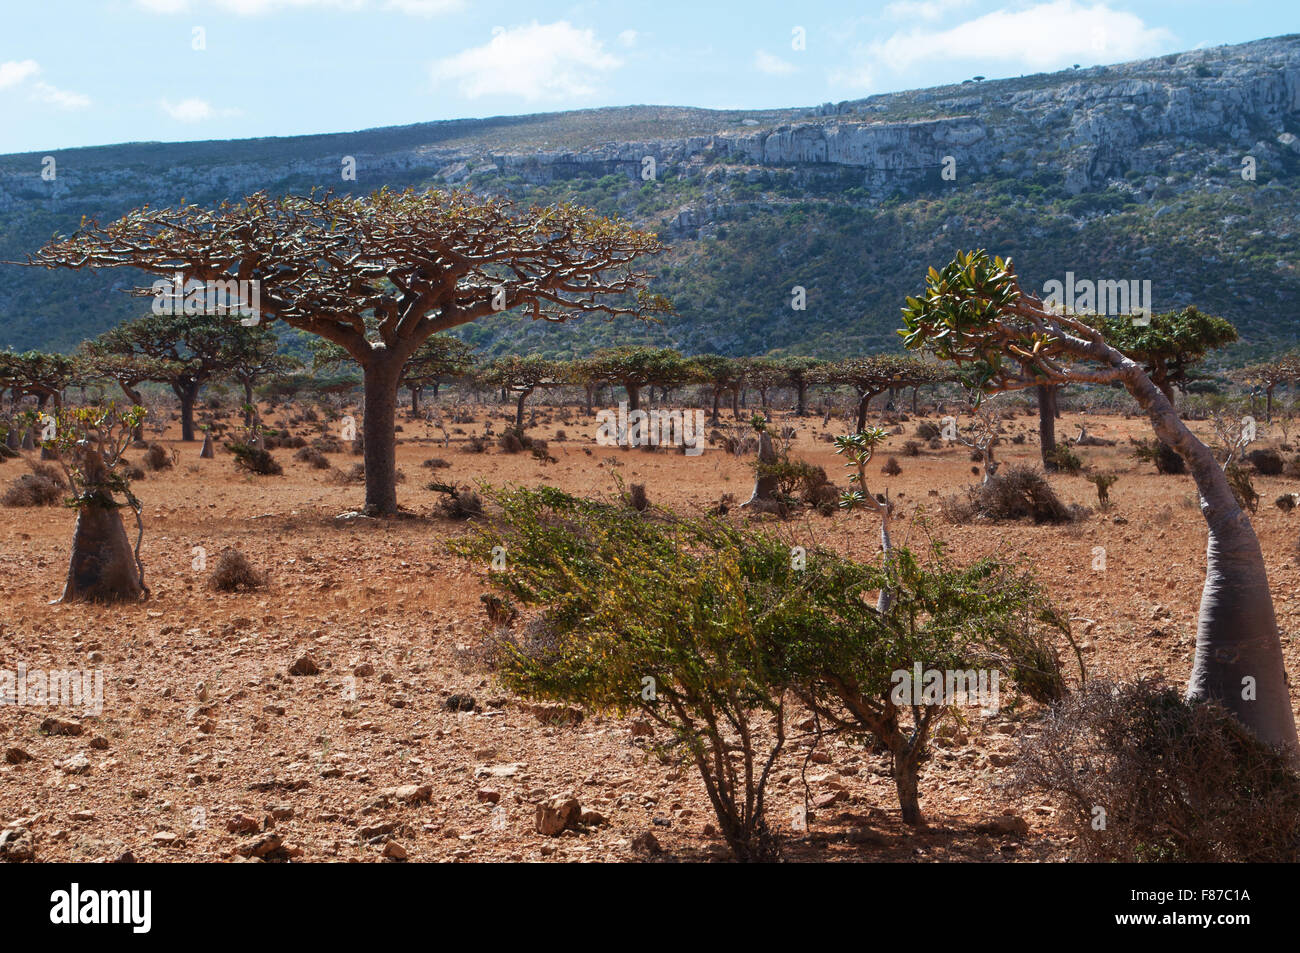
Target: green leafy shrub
(1066, 460)
(252, 459)
(706, 629)
(1165, 457)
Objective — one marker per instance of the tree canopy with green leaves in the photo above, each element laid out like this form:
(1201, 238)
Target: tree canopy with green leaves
(635, 367)
(874, 374)
(521, 376)
(35, 373)
(1171, 346)
(185, 351)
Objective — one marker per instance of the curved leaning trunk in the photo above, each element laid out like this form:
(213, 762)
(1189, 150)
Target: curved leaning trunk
(1238, 649)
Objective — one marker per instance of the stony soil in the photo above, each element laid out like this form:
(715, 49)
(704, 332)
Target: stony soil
(209, 749)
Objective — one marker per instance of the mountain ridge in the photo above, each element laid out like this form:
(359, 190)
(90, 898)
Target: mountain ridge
(1125, 171)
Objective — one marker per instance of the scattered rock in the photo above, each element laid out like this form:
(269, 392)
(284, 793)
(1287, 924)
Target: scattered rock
(647, 843)
(557, 813)
(411, 793)
(242, 824)
(16, 756)
(16, 845)
(829, 798)
(77, 764)
(57, 726)
(260, 846)
(459, 702)
(304, 666)
(394, 850)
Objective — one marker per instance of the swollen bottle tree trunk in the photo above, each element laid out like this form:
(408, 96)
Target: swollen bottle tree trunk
(380, 374)
(765, 482)
(103, 566)
(1238, 650)
(633, 395)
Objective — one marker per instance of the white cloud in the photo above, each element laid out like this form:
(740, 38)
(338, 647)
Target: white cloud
(1046, 36)
(922, 9)
(628, 38)
(188, 110)
(765, 62)
(62, 98)
(424, 8)
(554, 61)
(16, 71)
(194, 110)
(249, 8)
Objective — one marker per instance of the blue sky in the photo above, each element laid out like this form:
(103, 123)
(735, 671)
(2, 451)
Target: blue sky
(103, 71)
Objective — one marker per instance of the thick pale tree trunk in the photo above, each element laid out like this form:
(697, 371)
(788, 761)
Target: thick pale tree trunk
(103, 565)
(1238, 650)
(634, 396)
(765, 484)
(379, 378)
(801, 402)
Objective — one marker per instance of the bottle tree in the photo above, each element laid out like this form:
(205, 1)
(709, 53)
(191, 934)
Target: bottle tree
(975, 313)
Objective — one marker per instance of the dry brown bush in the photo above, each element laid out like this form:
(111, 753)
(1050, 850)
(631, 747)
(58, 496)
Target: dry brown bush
(1014, 493)
(1176, 782)
(233, 572)
(43, 486)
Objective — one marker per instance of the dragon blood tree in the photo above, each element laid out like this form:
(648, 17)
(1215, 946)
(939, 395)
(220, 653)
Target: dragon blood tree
(409, 263)
(88, 443)
(975, 313)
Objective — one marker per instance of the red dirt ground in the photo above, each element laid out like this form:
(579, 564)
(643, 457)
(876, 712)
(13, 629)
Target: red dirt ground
(296, 757)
